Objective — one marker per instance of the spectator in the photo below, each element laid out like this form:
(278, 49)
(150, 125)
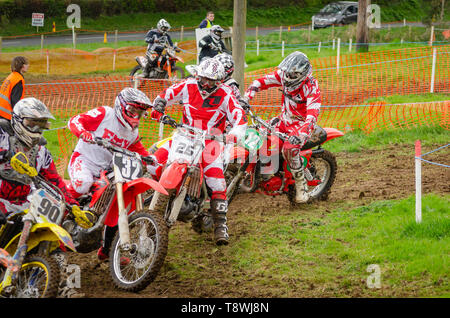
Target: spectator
(208, 21)
(13, 88)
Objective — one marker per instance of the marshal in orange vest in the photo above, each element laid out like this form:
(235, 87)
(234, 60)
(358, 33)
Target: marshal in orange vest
(5, 93)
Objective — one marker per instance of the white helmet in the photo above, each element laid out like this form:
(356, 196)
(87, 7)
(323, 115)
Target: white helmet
(296, 68)
(163, 26)
(216, 32)
(130, 105)
(29, 120)
(227, 62)
(210, 72)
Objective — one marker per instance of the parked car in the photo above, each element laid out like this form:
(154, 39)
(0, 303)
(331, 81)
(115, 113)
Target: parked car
(341, 12)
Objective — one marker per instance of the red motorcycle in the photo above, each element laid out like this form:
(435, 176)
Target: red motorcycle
(259, 163)
(117, 201)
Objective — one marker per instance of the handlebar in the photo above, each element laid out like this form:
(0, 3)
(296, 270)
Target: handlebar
(114, 148)
(167, 120)
(266, 125)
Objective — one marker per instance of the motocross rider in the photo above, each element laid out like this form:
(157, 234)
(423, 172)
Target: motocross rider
(212, 44)
(119, 125)
(207, 105)
(300, 108)
(156, 39)
(24, 134)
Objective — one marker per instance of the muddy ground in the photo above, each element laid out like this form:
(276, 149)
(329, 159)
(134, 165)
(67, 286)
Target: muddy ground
(362, 178)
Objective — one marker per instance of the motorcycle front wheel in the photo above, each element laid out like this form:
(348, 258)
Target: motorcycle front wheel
(133, 270)
(38, 278)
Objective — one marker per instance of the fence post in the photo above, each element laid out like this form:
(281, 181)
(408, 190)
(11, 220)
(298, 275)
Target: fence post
(312, 23)
(338, 53)
(48, 63)
(418, 182)
(281, 30)
(116, 35)
(404, 22)
(114, 60)
(257, 47)
(334, 44)
(74, 41)
(256, 33)
(433, 70)
(350, 45)
(431, 36)
(1, 40)
(401, 41)
(42, 44)
(181, 33)
(282, 48)
(318, 48)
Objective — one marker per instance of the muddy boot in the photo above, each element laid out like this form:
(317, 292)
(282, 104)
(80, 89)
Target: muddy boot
(219, 209)
(301, 187)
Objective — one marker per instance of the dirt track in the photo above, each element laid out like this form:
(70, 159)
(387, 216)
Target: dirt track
(362, 177)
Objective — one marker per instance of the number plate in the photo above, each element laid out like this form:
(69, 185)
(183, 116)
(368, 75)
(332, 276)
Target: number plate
(46, 205)
(253, 140)
(183, 148)
(126, 168)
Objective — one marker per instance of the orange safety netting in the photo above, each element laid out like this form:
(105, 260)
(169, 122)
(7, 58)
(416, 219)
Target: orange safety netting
(345, 93)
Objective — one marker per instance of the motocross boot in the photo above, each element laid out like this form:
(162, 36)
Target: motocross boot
(219, 209)
(301, 187)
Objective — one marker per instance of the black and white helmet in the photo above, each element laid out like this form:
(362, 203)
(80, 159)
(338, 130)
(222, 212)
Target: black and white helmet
(130, 105)
(216, 32)
(163, 26)
(210, 73)
(295, 69)
(227, 62)
(29, 120)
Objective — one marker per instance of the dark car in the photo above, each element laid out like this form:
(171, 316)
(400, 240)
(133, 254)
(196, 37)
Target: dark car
(341, 12)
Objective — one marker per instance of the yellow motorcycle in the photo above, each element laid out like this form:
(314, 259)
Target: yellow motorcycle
(31, 235)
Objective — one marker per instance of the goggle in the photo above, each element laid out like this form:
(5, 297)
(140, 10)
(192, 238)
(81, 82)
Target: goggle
(206, 82)
(136, 110)
(36, 125)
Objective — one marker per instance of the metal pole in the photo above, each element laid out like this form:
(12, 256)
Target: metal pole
(418, 149)
(433, 70)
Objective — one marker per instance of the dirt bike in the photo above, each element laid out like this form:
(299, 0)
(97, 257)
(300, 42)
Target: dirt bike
(116, 200)
(187, 199)
(165, 67)
(259, 163)
(31, 235)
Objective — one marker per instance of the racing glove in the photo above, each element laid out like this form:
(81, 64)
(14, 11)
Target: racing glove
(84, 219)
(297, 139)
(87, 137)
(251, 91)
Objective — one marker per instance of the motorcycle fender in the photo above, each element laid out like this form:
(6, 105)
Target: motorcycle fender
(333, 133)
(141, 60)
(49, 232)
(173, 175)
(130, 191)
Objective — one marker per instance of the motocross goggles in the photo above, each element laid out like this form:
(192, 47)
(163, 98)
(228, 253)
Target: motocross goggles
(36, 124)
(135, 110)
(206, 83)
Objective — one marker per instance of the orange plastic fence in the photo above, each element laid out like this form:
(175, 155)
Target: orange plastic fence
(345, 93)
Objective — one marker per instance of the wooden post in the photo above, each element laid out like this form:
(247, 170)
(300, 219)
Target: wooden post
(362, 30)
(281, 30)
(48, 63)
(238, 38)
(116, 35)
(181, 33)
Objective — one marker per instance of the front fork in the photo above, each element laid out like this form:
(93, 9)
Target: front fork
(11, 276)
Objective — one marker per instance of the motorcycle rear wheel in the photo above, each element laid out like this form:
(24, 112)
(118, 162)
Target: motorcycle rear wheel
(134, 270)
(323, 165)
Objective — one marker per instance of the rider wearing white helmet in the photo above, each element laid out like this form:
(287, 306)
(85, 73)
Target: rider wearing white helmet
(300, 108)
(119, 125)
(212, 44)
(207, 105)
(157, 39)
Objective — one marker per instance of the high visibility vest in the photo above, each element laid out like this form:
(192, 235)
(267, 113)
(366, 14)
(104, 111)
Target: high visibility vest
(5, 93)
(208, 23)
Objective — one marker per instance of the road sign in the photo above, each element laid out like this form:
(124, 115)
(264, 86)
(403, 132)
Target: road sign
(37, 19)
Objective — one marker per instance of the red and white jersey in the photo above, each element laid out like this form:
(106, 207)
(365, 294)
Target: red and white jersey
(302, 104)
(210, 113)
(102, 122)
